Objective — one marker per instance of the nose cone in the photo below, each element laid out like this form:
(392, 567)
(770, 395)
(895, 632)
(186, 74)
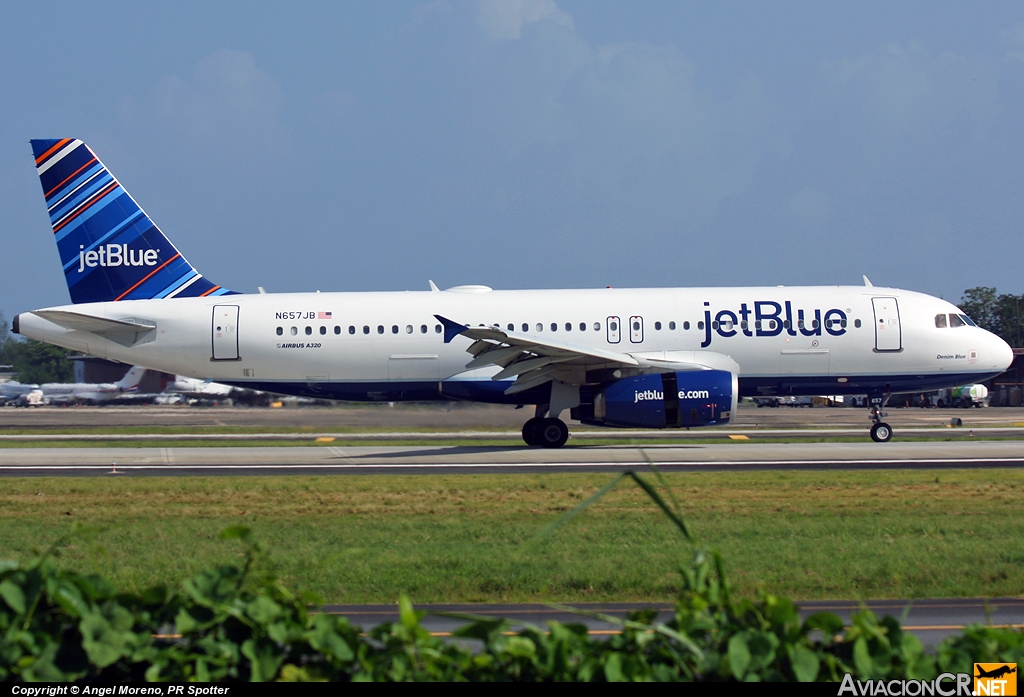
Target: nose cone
(1001, 352)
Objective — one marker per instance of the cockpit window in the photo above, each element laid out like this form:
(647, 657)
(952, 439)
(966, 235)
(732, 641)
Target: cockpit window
(940, 321)
(969, 321)
(955, 321)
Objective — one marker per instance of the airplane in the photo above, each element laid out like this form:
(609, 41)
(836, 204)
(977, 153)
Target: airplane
(995, 672)
(196, 388)
(635, 357)
(92, 392)
(12, 391)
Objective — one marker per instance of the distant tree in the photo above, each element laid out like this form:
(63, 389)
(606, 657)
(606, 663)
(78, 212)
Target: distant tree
(7, 342)
(1009, 309)
(1000, 314)
(37, 362)
(980, 305)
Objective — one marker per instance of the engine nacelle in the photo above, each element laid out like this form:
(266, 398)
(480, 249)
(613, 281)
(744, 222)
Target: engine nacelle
(665, 400)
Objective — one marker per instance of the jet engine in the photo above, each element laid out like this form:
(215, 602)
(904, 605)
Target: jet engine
(662, 400)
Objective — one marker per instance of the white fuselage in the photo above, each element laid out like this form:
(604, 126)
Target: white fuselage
(389, 345)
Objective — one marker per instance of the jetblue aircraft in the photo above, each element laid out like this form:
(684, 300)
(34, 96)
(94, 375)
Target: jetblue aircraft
(643, 357)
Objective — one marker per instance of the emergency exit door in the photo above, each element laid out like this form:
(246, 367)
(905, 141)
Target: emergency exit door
(225, 332)
(888, 333)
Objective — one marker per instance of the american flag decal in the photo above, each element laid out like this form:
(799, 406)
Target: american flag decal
(323, 315)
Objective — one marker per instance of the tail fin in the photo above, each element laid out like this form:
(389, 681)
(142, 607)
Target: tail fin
(130, 381)
(109, 247)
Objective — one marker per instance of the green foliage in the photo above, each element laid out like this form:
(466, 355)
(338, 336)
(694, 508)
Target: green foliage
(1001, 314)
(231, 623)
(38, 362)
(7, 342)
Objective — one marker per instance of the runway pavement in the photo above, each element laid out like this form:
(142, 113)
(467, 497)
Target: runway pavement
(931, 620)
(278, 460)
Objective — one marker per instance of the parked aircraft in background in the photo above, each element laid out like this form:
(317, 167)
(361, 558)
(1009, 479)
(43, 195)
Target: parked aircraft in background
(12, 390)
(645, 357)
(93, 393)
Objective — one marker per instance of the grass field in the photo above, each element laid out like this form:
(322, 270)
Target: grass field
(464, 538)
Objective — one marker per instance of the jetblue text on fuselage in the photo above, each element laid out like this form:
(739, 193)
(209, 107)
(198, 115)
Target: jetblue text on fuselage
(770, 318)
(116, 255)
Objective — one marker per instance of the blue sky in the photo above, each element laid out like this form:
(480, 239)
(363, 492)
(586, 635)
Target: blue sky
(532, 143)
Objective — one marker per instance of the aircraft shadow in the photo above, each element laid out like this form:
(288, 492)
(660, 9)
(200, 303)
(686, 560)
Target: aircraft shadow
(476, 450)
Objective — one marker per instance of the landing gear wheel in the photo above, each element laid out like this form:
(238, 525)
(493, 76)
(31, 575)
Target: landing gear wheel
(881, 432)
(530, 431)
(551, 433)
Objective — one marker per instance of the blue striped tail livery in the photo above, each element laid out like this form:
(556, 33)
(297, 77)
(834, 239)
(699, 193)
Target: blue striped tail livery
(109, 247)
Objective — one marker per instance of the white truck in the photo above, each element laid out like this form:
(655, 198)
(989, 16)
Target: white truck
(966, 397)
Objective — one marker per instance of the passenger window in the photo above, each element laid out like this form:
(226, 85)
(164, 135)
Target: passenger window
(408, 329)
(423, 329)
(614, 326)
(597, 326)
(714, 324)
(323, 329)
(686, 326)
(814, 324)
(337, 329)
(526, 327)
(700, 325)
(568, 326)
(540, 327)
(280, 331)
(757, 324)
(772, 323)
(856, 323)
(511, 327)
(351, 329)
(309, 330)
(955, 321)
(799, 323)
(657, 326)
(394, 328)
(437, 328)
(554, 327)
(583, 326)
(672, 326)
(294, 330)
(743, 324)
(785, 323)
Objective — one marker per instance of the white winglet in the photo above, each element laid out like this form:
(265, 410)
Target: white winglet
(867, 282)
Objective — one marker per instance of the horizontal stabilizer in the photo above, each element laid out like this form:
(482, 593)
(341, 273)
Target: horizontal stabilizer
(97, 325)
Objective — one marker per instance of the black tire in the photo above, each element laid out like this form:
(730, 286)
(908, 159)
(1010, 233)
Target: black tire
(530, 431)
(881, 433)
(551, 433)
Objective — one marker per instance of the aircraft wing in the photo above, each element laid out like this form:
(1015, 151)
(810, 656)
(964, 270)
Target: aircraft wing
(534, 360)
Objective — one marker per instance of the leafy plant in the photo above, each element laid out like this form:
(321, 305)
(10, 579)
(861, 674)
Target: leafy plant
(234, 623)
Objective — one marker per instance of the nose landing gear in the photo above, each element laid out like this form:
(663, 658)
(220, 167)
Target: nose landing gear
(881, 432)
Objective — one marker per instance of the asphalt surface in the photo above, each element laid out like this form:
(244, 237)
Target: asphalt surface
(456, 416)
(931, 619)
(282, 460)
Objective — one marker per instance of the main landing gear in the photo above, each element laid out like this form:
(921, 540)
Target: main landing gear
(545, 432)
(881, 432)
